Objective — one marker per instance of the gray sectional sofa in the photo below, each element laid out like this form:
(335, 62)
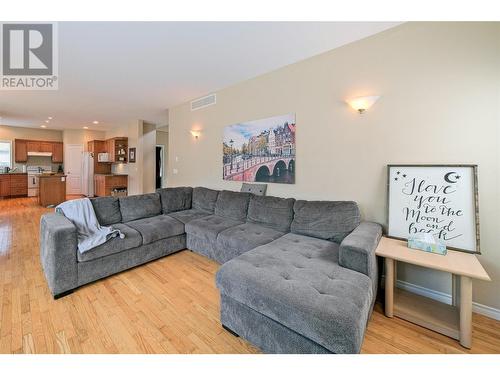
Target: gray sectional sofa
(296, 277)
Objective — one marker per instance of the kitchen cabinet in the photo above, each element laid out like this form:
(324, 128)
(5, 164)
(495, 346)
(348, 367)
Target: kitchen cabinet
(18, 185)
(117, 149)
(57, 152)
(96, 147)
(13, 185)
(105, 183)
(45, 146)
(20, 151)
(33, 146)
(4, 186)
(23, 146)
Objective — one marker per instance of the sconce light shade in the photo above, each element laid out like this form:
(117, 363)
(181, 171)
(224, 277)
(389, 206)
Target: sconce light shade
(362, 103)
(195, 133)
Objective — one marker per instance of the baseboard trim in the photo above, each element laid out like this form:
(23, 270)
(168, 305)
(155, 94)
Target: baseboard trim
(488, 311)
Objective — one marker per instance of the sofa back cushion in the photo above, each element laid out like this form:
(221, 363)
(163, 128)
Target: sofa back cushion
(107, 210)
(140, 206)
(327, 220)
(232, 204)
(175, 199)
(272, 212)
(204, 199)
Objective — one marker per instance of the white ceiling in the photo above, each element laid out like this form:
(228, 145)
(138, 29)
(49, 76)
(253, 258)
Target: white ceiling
(119, 72)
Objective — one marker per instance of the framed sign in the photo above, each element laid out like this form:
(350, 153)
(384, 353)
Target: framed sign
(437, 199)
(131, 155)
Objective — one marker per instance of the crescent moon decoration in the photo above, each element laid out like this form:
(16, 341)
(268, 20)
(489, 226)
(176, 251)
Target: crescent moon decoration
(448, 177)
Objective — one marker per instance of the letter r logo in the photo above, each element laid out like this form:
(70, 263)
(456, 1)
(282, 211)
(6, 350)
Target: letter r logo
(27, 49)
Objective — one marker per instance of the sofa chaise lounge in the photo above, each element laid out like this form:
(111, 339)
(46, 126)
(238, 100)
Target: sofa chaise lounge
(296, 277)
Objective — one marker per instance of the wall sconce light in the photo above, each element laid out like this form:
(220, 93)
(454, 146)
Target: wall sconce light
(362, 103)
(195, 133)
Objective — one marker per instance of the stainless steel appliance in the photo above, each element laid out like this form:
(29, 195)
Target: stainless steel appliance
(103, 157)
(33, 172)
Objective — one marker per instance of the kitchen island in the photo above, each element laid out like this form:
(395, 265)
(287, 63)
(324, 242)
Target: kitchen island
(52, 189)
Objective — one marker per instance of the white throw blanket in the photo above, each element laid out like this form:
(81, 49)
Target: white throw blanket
(90, 233)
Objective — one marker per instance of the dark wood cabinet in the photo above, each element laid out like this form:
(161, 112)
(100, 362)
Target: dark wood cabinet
(20, 151)
(97, 147)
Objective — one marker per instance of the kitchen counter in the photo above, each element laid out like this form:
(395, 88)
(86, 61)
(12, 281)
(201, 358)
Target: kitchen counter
(52, 189)
(12, 173)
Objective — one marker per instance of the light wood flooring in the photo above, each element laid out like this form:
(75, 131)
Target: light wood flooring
(167, 306)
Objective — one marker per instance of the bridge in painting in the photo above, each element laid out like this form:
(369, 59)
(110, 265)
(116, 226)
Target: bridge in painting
(258, 166)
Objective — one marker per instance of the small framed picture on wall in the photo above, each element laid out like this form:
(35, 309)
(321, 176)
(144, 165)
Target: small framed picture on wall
(437, 199)
(131, 155)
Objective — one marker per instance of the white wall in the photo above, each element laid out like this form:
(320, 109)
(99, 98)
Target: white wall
(439, 86)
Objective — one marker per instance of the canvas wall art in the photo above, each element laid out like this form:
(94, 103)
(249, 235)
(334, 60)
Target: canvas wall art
(260, 150)
(438, 199)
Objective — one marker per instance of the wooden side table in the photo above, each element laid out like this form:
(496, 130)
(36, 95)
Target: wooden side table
(453, 320)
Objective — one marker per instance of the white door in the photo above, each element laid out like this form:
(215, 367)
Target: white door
(73, 168)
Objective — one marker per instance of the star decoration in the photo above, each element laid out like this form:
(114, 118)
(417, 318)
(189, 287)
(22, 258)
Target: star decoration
(395, 178)
(398, 172)
(404, 175)
(457, 177)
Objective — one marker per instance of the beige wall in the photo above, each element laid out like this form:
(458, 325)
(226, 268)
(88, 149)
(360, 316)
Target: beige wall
(439, 86)
(79, 137)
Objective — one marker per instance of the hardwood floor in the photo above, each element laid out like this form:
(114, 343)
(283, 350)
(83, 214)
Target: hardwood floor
(167, 306)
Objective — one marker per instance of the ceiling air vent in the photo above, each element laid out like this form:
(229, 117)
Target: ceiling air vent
(203, 102)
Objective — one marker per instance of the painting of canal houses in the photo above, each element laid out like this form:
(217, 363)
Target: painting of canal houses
(260, 151)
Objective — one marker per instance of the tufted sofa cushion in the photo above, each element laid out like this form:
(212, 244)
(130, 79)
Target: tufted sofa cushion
(107, 210)
(175, 199)
(157, 228)
(232, 205)
(327, 220)
(241, 238)
(140, 206)
(204, 199)
(297, 281)
(272, 212)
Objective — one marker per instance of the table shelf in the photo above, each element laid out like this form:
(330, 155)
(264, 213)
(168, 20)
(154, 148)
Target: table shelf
(428, 313)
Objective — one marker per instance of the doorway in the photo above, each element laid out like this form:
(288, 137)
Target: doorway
(73, 168)
(159, 166)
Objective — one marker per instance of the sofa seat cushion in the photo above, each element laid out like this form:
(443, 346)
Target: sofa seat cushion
(241, 238)
(186, 216)
(297, 281)
(207, 228)
(115, 245)
(157, 228)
